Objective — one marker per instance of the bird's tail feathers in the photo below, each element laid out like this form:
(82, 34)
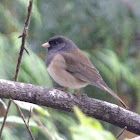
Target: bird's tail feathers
(106, 88)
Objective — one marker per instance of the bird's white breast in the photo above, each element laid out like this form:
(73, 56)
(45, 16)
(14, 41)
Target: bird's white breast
(57, 70)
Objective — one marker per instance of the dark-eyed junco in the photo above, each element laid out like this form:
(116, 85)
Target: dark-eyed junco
(71, 68)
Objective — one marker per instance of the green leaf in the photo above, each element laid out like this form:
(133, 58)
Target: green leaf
(109, 58)
(28, 106)
(87, 121)
(87, 133)
(89, 128)
(18, 120)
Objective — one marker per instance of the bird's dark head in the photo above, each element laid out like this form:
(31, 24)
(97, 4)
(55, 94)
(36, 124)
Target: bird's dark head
(59, 44)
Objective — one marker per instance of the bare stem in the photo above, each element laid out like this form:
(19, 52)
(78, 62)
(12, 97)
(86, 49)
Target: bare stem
(22, 48)
(42, 126)
(27, 125)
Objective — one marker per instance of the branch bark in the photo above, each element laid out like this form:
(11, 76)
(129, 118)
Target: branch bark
(65, 101)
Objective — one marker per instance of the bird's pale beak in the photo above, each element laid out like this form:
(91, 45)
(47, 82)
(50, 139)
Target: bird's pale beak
(46, 45)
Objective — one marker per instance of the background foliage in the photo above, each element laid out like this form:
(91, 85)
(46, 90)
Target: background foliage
(107, 31)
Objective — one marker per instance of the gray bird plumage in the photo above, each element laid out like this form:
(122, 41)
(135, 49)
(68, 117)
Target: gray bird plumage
(75, 66)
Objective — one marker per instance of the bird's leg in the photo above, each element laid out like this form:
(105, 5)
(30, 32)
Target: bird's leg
(77, 91)
(62, 88)
(80, 96)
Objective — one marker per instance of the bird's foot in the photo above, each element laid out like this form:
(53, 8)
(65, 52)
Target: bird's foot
(61, 88)
(80, 94)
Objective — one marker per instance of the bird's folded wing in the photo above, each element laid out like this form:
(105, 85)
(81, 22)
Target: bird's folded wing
(82, 68)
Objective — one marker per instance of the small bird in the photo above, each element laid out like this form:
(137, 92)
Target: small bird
(71, 68)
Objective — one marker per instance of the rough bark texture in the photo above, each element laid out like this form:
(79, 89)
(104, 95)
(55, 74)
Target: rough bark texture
(65, 101)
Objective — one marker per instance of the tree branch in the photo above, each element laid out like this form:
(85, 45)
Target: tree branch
(65, 101)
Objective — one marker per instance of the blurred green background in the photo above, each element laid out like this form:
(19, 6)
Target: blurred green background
(108, 31)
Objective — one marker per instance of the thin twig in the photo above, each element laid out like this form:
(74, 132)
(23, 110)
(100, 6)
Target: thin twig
(3, 104)
(29, 115)
(24, 35)
(27, 126)
(121, 132)
(42, 126)
(22, 48)
(27, 51)
(4, 120)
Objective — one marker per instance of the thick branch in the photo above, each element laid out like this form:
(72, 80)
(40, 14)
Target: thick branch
(60, 100)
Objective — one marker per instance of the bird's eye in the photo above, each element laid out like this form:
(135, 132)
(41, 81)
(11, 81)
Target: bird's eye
(56, 42)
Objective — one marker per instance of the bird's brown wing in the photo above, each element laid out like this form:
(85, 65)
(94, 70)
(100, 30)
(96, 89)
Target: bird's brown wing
(79, 65)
